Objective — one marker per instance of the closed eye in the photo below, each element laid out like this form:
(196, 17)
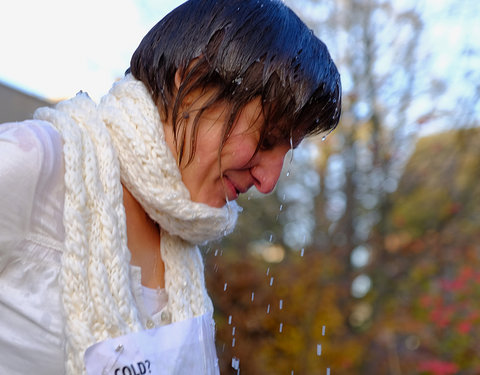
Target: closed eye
(268, 143)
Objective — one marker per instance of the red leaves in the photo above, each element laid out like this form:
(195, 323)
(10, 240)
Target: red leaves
(438, 367)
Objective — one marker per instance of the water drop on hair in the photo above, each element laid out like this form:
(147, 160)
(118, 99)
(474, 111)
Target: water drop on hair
(268, 309)
(281, 328)
(253, 296)
(319, 349)
(225, 287)
(271, 281)
(280, 305)
(323, 138)
(229, 319)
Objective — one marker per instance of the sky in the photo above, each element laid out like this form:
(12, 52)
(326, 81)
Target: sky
(55, 48)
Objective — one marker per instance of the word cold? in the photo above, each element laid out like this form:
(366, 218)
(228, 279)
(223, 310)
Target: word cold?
(140, 368)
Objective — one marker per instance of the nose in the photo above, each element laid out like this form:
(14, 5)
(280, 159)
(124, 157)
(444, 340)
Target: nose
(267, 168)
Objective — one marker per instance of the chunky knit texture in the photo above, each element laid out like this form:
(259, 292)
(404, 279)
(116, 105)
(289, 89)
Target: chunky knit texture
(122, 141)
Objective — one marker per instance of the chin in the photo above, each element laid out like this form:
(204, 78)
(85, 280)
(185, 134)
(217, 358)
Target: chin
(218, 204)
(210, 201)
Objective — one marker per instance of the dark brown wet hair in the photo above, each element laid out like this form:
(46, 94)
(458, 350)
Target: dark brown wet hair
(242, 49)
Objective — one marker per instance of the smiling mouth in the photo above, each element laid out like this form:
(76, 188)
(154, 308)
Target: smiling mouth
(231, 191)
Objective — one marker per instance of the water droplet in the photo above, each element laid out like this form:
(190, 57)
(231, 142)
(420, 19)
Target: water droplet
(302, 252)
(323, 138)
(288, 173)
(238, 80)
(233, 342)
(233, 331)
(291, 150)
(216, 252)
(271, 281)
(268, 270)
(281, 304)
(281, 328)
(271, 238)
(253, 296)
(235, 363)
(323, 331)
(319, 349)
(225, 287)
(281, 207)
(229, 319)
(328, 370)
(268, 309)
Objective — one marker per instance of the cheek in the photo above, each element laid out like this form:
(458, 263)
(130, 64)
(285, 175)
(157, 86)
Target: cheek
(238, 151)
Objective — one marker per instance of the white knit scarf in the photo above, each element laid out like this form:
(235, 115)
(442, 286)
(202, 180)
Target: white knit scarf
(122, 141)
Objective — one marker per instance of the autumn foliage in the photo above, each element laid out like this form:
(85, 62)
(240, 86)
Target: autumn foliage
(421, 315)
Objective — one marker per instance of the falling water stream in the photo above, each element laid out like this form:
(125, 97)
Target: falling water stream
(270, 279)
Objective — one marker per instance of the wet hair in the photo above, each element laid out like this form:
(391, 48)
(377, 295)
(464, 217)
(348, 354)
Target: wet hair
(243, 50)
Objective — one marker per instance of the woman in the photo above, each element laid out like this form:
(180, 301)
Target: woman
(103, 205)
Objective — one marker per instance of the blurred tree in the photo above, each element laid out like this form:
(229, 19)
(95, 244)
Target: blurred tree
(376, 45)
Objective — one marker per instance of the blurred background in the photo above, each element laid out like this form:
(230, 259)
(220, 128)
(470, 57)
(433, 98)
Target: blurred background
(366, 258)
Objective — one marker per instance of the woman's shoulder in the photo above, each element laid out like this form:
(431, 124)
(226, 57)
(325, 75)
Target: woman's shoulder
(31, 170)
(29, 145)
(30, 135)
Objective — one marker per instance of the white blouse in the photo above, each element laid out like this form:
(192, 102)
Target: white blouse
(31, 245)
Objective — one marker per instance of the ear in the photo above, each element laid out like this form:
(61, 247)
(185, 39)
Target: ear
(178, 78)
(180, 73)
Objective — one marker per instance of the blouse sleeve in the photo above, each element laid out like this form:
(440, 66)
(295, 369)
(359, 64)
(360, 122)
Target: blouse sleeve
(27, 161)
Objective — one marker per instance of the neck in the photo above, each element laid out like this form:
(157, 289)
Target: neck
(143, 241)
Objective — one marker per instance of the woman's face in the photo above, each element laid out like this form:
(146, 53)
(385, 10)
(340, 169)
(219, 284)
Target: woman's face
(213, 183)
